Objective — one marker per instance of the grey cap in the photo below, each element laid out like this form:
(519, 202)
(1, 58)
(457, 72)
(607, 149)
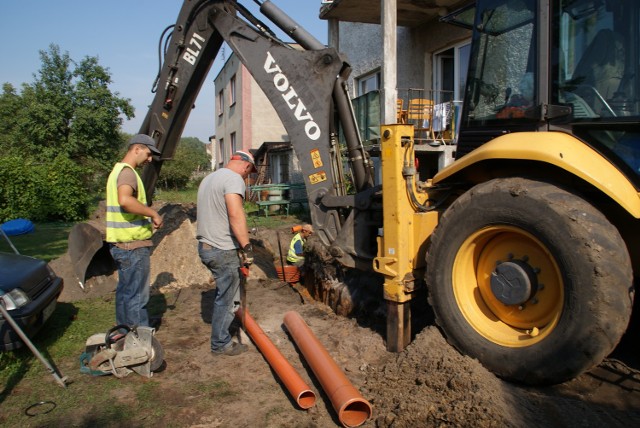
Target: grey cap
(147, 141)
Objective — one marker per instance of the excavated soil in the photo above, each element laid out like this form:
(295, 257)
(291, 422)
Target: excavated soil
(428, 384)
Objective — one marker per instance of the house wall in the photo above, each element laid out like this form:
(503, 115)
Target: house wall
(251, 117)
(361, 43)
(255, 121)
(228, 119)
(264, 121)
(436, 37)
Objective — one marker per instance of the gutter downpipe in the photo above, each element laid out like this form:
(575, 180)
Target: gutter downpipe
(352, 409)
(299, 390)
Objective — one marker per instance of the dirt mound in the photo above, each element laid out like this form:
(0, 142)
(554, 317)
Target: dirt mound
(175, 263)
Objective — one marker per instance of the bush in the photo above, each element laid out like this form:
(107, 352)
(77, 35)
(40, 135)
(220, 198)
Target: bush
(42, 191)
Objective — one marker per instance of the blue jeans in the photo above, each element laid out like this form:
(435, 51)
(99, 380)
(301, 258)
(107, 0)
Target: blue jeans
(224, 265)
(132, 293)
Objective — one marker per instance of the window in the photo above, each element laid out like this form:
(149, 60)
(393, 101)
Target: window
(595, 71)
(451, 70)
(220, 103)
(233, 142)
(279, 163)
(462, 17)
(221, 153)
(502, 73)
(232, 90)
(368, 83)
(596, 50)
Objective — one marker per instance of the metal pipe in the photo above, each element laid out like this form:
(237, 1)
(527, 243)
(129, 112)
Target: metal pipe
(284, 278)
(5, 314)
(290, 27)
(298, 389)
(15, 250)
(352, 409)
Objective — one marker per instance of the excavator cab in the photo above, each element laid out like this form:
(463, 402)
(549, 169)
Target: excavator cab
(566, 65)
(595, 71)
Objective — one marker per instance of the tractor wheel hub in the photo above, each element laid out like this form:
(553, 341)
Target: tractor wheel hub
(513, 282)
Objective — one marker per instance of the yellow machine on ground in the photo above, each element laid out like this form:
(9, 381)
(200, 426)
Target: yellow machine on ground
(529, 240)
(527, 244)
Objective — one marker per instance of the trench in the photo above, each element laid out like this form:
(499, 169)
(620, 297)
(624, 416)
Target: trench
(358, 294)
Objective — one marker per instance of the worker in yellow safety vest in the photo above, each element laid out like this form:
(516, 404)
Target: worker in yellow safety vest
(295, 256)
(130, 226)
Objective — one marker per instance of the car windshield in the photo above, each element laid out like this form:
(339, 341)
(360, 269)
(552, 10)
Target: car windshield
(5, 237)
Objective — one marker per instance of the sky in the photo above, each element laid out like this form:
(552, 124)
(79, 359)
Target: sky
(123, 35)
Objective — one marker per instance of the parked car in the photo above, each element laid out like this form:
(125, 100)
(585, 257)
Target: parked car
(29, 291)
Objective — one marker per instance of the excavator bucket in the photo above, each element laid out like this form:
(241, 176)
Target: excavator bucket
(84, 242)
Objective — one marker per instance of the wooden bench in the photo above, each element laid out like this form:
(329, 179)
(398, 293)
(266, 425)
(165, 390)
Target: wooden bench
(264, 204)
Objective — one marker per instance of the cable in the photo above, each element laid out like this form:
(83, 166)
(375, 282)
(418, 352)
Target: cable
(261, 26)
(409, 185)
(29, 411)
(161, 54)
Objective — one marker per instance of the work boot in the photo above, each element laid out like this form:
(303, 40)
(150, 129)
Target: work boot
(234, 349)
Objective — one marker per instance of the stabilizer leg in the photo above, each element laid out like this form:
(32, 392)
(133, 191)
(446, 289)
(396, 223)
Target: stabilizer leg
(398, 325)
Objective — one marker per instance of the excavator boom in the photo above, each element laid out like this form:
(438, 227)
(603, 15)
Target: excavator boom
(305, 84)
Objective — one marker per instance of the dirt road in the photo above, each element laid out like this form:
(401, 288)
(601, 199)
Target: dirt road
(429, 384)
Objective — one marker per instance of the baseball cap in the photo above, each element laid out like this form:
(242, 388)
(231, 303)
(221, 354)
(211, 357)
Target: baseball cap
(244, 156)
(147, 141)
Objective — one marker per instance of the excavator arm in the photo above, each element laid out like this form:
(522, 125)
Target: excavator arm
(305, 85)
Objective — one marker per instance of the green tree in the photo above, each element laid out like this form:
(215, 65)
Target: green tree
(190, 158)
(70, 109)
(66, 117)
(10, 107)
(39, 191)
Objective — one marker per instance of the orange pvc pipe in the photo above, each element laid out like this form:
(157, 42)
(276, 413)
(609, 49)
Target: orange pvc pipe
(303, 395)
(353, 410)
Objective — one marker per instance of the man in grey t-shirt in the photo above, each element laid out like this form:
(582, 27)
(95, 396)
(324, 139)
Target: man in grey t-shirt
(223, 243)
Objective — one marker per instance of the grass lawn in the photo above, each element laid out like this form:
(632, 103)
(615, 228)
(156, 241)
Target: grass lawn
(187, 196)
(254, 218)
(87, 400)
(47, 242)
(25, 380)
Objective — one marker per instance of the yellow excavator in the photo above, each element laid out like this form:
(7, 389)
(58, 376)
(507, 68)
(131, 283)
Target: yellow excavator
(527, 244)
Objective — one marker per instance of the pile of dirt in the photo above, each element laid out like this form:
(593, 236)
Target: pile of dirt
(428, 384)
(455, 390)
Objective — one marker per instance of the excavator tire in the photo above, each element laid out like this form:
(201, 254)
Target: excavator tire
(530, 279)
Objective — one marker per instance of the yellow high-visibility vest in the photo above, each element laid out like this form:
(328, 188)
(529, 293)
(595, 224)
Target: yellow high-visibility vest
(121, 225)
(291, 255)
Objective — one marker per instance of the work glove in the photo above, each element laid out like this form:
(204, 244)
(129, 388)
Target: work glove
(246, 255)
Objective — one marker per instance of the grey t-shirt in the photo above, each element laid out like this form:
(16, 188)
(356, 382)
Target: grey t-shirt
(213, 217)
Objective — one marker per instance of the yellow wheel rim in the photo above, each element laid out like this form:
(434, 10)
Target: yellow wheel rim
(507, 325)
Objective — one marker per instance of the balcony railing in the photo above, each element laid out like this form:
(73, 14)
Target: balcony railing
(367, 111)
(433, 114)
